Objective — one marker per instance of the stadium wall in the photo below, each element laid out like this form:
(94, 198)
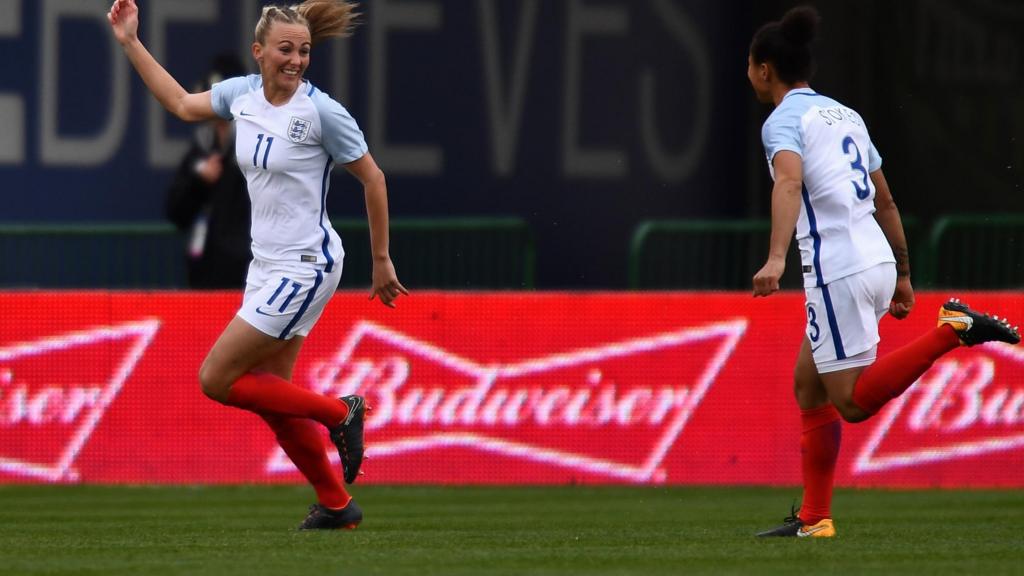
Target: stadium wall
(492, 388)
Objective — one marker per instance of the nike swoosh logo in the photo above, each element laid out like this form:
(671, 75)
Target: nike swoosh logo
(965, 319)
(815, 349)
(259, 311)
(244, 114)
(353, 410)
(802, 533)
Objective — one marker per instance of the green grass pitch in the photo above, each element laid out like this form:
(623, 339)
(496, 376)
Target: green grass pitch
(250, 531)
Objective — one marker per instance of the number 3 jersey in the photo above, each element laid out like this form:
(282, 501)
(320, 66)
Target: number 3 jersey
(836, 231)
(286, 153)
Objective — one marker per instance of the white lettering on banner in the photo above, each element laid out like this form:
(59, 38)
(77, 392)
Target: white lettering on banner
(46, 409)
(73, 150)
(12, 107)
(955, 397)
(587, 21)
(49, 405)
(591, 403)
(678, 167)
(505, 113)
(393, 15)
(164, 151)
(505, 86)
(490, 407)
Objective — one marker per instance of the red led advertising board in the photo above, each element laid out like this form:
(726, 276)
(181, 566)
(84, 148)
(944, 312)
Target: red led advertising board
(493, 388)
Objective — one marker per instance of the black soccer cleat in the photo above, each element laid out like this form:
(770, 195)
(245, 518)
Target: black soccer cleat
(323, 518)
(348, 437)
(974, 327)
(794, 527)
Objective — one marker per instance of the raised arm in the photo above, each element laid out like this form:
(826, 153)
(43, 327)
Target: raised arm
(788, 167)
(385, 281)
(124, 20)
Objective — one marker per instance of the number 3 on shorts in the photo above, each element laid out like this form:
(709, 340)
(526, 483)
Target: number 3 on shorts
(813, 331)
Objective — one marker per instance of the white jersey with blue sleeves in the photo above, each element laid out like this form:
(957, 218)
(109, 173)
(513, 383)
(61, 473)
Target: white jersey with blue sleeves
(286, 153)
(837, 232)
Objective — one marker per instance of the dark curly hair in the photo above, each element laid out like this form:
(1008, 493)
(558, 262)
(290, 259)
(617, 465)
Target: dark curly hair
(786, 44)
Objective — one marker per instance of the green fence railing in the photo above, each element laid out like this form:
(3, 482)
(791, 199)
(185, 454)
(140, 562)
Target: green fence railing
(697, 254)
(965, 251)
(450, 253)
(91, 256)
(714, 254)
(456, 253)
(976, 251)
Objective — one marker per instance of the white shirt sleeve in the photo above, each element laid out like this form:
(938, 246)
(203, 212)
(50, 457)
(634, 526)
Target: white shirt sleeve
(340, 135)
(225, 92)
(781, 133)
(874, 158)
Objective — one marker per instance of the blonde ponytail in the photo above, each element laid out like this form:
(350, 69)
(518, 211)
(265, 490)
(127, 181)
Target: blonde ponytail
(324, 18)
(329, 18)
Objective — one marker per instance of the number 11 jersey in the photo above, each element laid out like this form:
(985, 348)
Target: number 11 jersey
(286, 153)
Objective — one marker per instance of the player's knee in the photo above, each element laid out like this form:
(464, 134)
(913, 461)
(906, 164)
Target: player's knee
(850, 411)
(211, 384)
(809, 393)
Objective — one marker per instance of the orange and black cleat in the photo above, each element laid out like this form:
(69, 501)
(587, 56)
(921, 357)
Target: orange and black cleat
(974, 327)
(794, 527)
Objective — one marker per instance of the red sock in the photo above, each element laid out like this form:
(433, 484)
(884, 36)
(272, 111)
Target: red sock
(265, 393)
(892, 374)
(819, 450)
(302, 442)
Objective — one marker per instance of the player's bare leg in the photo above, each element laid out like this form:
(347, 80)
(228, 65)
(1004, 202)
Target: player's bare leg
(840, 385)
(807, 384)
(242, 350)
(230, 375)
(239, 349)
(819, 446)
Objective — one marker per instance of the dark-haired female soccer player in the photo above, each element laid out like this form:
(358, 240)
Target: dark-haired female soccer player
(289, 136)
(829, 188)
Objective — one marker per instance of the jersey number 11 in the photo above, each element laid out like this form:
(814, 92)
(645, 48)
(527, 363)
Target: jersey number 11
(270, 142)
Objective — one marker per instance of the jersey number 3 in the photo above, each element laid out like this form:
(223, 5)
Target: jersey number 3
(858, 165)
(266, 151)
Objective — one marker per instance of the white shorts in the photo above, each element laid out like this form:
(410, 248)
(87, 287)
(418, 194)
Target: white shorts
(843, 317)
(287, 301)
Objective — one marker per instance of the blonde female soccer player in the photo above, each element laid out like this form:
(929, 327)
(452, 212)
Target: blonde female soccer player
(289, 135)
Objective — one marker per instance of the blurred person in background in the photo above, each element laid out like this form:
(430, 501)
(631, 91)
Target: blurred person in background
(829, 189)
(208, 199)
(288, 137)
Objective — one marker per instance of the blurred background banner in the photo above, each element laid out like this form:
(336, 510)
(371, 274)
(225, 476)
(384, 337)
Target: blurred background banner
(492, 388)
(578, 116)
(582, 118)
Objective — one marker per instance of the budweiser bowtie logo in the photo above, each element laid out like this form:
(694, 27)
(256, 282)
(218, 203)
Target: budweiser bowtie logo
(966, 405)
(47, 411)
(613, 410)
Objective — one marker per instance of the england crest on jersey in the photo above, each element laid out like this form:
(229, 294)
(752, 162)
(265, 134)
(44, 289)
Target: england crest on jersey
(298, 130)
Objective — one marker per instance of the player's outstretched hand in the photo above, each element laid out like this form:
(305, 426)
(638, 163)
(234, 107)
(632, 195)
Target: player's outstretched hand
(385, 283)
(766, 281)
(902, 299)
(124, 20)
